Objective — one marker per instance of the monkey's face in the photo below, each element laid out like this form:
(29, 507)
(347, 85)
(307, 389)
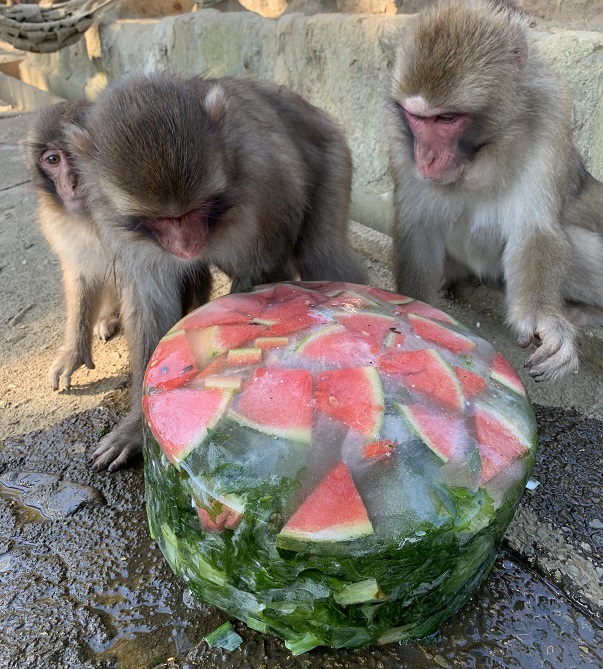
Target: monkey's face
(60, 177)
(436, 136)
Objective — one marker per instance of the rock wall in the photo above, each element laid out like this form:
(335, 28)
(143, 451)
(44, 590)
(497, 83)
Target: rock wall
(340, 62)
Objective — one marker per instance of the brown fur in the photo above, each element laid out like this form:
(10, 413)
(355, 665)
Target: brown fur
(273, 172)
(90, 294)
(523, 208)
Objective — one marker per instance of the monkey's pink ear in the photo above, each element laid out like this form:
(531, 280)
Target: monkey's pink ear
(215, 105)
(79, 141)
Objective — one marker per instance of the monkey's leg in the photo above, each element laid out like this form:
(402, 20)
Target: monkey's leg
(151, 304)
(197, 288)
(82, 297)
(107, 320)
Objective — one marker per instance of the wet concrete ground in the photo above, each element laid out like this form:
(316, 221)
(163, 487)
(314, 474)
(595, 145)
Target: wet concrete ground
(82, 585)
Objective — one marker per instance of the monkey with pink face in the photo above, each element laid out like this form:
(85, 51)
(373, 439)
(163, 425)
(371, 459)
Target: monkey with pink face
(89, 283)
(164, 177)
(487, 180)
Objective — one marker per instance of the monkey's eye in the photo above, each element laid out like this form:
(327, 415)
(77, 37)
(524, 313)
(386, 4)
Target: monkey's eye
(447, 118)
(51, 157)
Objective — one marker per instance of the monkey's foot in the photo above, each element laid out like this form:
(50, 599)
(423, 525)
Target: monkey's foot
(556, 355)
(120, 445)
(105, 328)
(68, 359)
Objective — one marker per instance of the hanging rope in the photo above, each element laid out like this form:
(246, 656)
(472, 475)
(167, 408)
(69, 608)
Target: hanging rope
(48, 29)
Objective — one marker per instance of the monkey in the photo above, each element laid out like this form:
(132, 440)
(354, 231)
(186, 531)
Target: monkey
(184, 174)
(487, 179)
(90, 294)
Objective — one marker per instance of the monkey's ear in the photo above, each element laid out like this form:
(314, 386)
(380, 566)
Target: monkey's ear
(216, 104)
(79, 141)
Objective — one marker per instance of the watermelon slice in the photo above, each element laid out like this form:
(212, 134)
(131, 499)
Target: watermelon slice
(218, 517)
(351, 300)
(180, 419)
(379, 450)
(244, 356)
(225, 382)
(212, 341)
(352, 396)
(394, 339)
(294, 315)
(271, 342)
(472, 383)
(441, 335)
(388, 296)
(503, 373)
(333, 512)
(232, 309)
(442, 432)
(336, 346)
(365, 324)
(277, 402)
(171, 364)
(497, 434)
(425, 371)
(422, 309)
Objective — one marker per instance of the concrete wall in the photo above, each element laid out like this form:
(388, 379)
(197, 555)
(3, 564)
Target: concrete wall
(339, 62)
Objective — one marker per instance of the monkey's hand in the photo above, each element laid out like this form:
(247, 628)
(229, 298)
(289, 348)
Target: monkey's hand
(556, 354)
(120, 445)
(69, 358)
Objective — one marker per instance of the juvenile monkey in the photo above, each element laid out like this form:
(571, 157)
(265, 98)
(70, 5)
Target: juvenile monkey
(180, 174)
(90, 294)
(487, 179)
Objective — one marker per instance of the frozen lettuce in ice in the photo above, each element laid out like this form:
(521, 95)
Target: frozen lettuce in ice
(331, 463)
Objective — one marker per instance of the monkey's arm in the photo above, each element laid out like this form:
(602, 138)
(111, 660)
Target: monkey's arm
(535, 268)
(82, 296)
(151, 303)
(418, 256)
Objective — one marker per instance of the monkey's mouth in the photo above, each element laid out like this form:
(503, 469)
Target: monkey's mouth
(184, 237)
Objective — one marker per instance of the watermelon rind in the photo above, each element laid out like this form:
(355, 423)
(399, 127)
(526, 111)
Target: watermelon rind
(303, 435)
(335, 491)
(414, 420)
(359, 593)
(504, 373)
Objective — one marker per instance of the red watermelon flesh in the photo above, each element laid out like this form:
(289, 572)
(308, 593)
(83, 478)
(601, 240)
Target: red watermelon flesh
(228, 310)
(379, 450)
(334, 511)
(442, 432)
(352, 396)
(388, 296)
(277, 402)
(425, 371)
(336, 346)
(422, 309)
(179, 419)
(219, 517)
(365, 324)
(171, 364)
(497, 433)
(212, 341)
(503, 373)
(350, 300)
(441, 335)
(473, 384)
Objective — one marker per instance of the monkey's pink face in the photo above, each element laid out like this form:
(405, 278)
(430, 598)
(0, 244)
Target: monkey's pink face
(437, 136)
(56, 165)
